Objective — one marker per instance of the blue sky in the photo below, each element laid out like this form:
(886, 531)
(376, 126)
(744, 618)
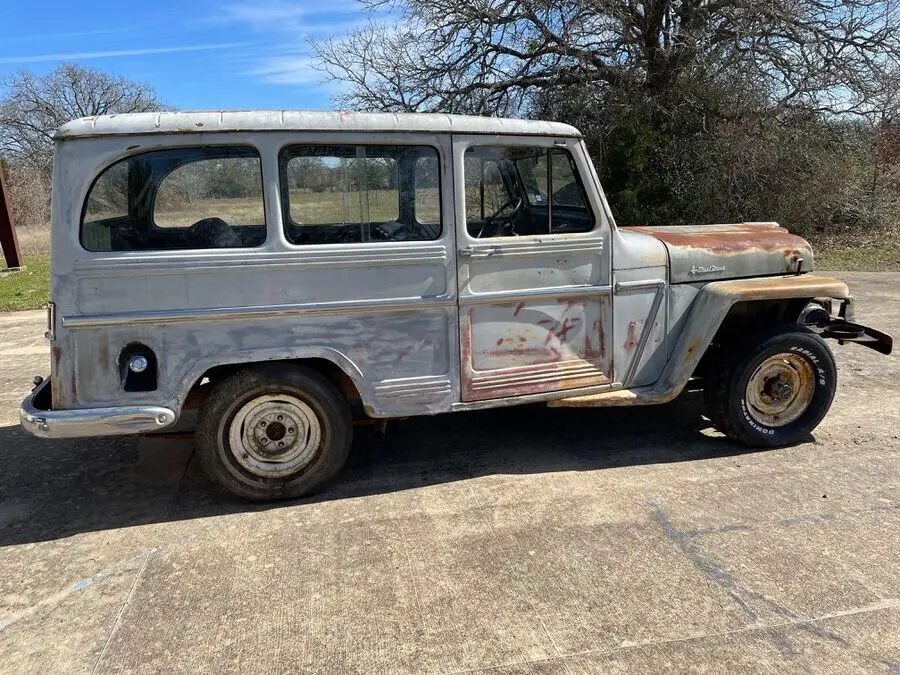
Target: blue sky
(197, 54)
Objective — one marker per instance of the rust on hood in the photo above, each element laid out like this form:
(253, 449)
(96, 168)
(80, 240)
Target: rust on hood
(725, 239)
(713, 252)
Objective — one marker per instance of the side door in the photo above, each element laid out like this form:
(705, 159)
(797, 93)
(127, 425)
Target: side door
(533, 268)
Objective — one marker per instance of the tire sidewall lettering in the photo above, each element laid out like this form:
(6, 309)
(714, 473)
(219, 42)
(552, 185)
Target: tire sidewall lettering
(815, 361)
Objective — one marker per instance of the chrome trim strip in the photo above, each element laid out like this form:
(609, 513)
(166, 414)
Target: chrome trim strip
(536, 374)
(533, 398)
(91, 421)
(533, 247)
(373, 256)
(648, 324)
(491, 297)
(626, 286)
(259, 311)
(414, 386)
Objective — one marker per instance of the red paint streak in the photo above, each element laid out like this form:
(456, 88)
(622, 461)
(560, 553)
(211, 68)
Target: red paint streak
(567, 325)
(554, 352)
(518, 308)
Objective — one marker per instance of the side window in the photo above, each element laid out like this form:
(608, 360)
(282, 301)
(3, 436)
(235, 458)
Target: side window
(345, 194)
(519, 190)
(486, 190)
(428, 190)
(229, 188)
(174, 199)
(107, 203)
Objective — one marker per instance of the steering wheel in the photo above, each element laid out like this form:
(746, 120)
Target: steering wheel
(516, 203)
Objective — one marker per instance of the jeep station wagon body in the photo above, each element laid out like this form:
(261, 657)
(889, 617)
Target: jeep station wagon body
(283, 273)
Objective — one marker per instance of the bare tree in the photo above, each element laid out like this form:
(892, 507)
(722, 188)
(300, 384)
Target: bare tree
(34, 106)
(490, 56)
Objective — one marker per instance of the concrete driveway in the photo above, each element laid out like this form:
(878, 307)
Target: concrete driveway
(519, 540)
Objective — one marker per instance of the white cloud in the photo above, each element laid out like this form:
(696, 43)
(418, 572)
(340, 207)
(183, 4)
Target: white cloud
(284, 16)
(83, 56)
(288, 28)
(286, 69)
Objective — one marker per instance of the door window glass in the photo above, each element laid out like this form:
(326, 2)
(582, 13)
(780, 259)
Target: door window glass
(520, 190)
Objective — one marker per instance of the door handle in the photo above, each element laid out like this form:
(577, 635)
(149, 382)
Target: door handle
(469, 252)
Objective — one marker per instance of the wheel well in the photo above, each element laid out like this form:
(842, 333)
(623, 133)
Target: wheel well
(749, 316)
(201, 388)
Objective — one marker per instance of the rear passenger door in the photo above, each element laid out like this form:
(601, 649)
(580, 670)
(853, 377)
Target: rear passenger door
(533, 267)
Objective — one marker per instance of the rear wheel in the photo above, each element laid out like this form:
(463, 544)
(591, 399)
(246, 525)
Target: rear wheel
(273, 432)
(773, 389)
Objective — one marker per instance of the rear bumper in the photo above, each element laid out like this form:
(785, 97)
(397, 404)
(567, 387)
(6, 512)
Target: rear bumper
(38, 419)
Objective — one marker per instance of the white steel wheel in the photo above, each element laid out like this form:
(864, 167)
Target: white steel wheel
(273, 431)
(274, 435)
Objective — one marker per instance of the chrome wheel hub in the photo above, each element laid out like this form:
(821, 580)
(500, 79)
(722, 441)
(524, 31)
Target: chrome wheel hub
(780, 389)
(274, 435)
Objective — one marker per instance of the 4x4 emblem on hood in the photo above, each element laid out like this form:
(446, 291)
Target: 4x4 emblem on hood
(706, 269)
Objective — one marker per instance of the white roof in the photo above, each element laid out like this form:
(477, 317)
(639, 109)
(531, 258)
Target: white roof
(130, 124)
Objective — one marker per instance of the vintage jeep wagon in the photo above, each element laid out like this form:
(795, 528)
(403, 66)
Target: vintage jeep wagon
(287, 272)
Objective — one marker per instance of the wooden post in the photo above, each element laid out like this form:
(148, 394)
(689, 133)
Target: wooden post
(7, 229)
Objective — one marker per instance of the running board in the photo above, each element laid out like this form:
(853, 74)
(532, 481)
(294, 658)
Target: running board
(620, 397)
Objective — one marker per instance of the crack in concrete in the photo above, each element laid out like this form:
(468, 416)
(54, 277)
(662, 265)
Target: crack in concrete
(881, 605)
(744, 596)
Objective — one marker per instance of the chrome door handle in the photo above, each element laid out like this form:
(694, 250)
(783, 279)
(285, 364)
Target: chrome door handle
(480, 253)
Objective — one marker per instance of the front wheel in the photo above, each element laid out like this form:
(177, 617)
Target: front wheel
(273, 432)
(772, 390)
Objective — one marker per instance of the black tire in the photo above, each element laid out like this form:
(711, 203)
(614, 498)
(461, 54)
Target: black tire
(730, 372)
(324, 451)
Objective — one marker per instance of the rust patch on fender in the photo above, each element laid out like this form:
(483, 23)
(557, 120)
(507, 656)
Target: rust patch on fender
(795, 286)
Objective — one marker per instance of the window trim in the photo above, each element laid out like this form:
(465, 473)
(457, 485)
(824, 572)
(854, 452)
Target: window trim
(285, 155)
(99, 173)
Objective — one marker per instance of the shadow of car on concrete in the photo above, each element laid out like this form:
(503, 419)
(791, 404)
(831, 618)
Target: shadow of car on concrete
(54, 489)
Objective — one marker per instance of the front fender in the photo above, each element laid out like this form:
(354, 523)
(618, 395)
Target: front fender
(709, 310)
(702, 321)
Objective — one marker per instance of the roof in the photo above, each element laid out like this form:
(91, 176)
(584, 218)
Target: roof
(130, 124)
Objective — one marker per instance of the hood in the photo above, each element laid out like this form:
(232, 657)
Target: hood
(710, 252)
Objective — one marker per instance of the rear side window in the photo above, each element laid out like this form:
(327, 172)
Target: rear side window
(346, 194)
(179, 198)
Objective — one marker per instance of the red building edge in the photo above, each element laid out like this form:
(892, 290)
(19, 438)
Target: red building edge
(8, 238)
